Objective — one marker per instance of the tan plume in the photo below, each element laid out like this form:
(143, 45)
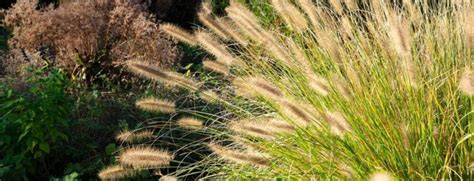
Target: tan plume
(239, 157)
(145, 157)
(178, 33)
(156, 105)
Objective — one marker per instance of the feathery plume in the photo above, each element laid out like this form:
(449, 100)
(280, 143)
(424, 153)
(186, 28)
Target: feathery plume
(399, 33)
(342, 87)
(336, 4)
(251, 128)
(280, 126)
(299, 56)
(466, 85)
(346, 26)
(327, 40)
(145, 157)
(156, 105)
(380, 176)
(298, 114)
(243, 88)
(168, 178)
(400, 36)
(178, 33)
(232, 31)
(216, 66)
(318, 84)
(190, 123)
(167, 77)
(246, 21)
(351, 4)
(265, 89)
(239, 157)
(469, 26)
(337, 123)
(290, 14)
(213, 46)
(130, 137)
(212, 24)
(206, 8)
(209, 96)
(310, 10)
(346, 171)
(115, 172)
(266, 128)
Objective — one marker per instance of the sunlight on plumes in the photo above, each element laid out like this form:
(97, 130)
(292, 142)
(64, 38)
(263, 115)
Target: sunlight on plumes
(116, 172)
(216, 66)
(130, 137)
(213, 46)
(337, 123)
(469, 26)
(178, 33)
(212, 24)
(336, 4)
(239, 157)
(145, 157)
(318, 84)
(466, 85)
(265, 89)
(310, 10)
(381, 176)
(297, 113)
(290, 14)
(167, 77)
(232, 31)
(209, 96)
(190, 123)
(156, 105)
(168, 178)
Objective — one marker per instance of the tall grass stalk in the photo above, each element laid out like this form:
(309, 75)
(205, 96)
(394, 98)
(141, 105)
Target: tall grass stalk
(376, 92)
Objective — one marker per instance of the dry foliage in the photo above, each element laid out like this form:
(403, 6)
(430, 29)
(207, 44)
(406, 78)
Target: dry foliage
(107, 32)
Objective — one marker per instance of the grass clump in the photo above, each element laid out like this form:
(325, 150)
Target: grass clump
(358, 91)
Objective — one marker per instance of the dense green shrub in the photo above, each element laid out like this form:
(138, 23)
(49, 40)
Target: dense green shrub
(33, 117)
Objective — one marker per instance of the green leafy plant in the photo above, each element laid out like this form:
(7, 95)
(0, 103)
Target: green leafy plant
(33, 117)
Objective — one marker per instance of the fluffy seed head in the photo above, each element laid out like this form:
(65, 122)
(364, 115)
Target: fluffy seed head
(131, 137)
(167, 77)
(251, 128)
(297, 113)
(232, 31)
(115, 172)
(216, 66)
(178, 33)
(206, 19)
(337, 122)
(290, 14)
(263, 88)
(469, 26)
(239, 157)
(336, 4)
(318, 84)
(190, 123)
(380, 176)
(311, 11)
(466, 85)
(145, 157)
(168, 178)
(156, 105)
(214, 47)
(209, 96)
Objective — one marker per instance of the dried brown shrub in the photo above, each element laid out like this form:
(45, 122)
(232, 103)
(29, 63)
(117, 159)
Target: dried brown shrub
(103, 32)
